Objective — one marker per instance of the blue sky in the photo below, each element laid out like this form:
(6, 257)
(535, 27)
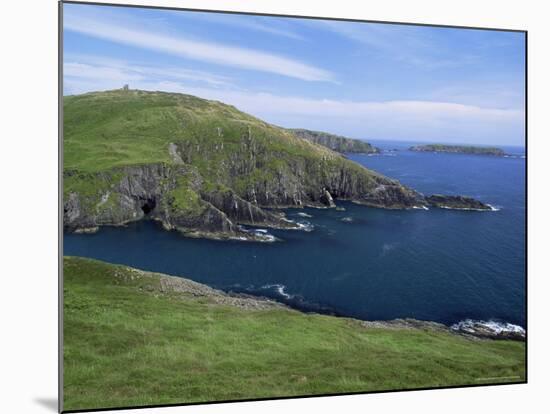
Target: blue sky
(363, 80)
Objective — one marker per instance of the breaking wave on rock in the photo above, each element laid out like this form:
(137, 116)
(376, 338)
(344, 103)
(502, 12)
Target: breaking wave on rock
(260, 235)
(278, 288)
(489, 329)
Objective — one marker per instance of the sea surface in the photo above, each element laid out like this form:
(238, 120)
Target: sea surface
(438, 265)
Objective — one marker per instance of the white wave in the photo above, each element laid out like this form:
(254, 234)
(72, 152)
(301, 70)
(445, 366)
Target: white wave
(471, 209)
(301, 225)
(304, 215)
(420, 208)
(265, 237)
(514, 156)
(279, 288)
(388, 247)
(305, 226)
(261, 235)
(347, 219)
(240, 238)
(497, 328)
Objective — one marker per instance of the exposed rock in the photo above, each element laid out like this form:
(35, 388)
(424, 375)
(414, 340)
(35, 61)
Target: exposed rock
(490, 329)
(469, 328)
(407, 323)
(244, 212)
(326, 199)
(457, 203)
(186, 287)
(336, 142)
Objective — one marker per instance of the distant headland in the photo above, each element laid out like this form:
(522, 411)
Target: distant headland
(459, 149)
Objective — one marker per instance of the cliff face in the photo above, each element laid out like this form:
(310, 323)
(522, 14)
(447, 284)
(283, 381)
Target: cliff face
(200, 167)
(171, 194)
(336, 142)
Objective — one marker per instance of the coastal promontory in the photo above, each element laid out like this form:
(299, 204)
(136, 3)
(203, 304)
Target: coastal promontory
(201, 167)
(337, 143)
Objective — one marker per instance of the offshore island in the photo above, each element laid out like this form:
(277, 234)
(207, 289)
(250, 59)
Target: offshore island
(459, 149)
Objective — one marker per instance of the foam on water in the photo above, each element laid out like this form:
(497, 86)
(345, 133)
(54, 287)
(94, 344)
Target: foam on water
(495, 327)
(278, 288)
(303, 225)
(261, 235)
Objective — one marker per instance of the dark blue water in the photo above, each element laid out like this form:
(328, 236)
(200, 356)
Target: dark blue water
(438, 265)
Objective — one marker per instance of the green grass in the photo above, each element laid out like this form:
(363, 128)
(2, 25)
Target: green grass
(104, 132)
(185, 200)
(127, 343)
(109, 129)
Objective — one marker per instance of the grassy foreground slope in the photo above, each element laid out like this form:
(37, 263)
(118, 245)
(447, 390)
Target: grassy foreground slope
(130, 340)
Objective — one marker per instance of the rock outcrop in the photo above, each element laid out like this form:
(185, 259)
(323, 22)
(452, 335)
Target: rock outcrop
(489, 329)
(457, 203)
(469, 328)
(336, 142)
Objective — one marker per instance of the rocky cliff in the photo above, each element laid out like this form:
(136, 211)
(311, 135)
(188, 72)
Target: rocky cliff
(336, 142)
(201, 167)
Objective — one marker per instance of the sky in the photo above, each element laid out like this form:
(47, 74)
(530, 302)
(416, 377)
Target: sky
(362, 80)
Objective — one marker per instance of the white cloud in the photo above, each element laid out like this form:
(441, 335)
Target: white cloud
(401, 119)
(99, 68)
(217, 53)
(86, 71)
(407, 44)
(270, 25)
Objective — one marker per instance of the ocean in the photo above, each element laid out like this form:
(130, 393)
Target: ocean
(437, 265)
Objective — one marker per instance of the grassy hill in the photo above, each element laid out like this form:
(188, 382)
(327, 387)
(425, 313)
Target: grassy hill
(199, 166)
(119, 128)
(137, 338)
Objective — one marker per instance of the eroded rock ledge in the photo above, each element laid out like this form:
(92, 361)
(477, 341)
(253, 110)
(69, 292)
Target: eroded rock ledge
(180, 198)
(457, 203)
